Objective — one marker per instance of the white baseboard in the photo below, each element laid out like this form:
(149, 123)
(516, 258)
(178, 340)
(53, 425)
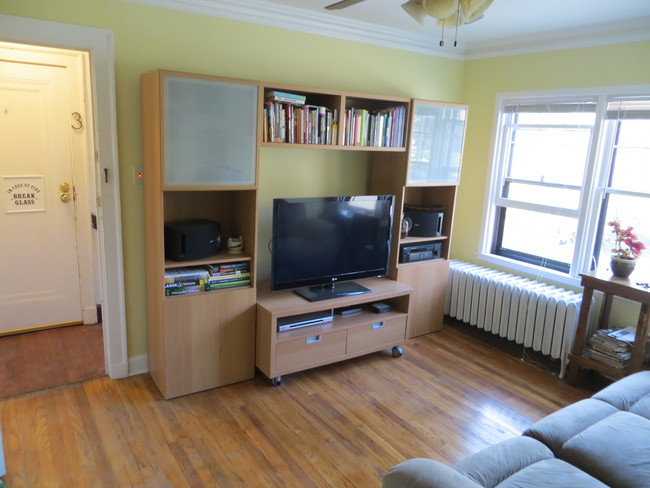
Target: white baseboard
(138, 364)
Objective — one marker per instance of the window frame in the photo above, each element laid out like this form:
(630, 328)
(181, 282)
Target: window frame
(593, 189)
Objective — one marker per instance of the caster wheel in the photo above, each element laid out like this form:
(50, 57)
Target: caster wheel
(276, 381)
(397, 351)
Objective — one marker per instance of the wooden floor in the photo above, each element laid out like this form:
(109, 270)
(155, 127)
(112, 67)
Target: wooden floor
(338, 426)
(50, 358)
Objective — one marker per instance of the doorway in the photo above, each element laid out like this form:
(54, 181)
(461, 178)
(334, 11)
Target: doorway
(98, 44)
(49, 197)
(48, 187)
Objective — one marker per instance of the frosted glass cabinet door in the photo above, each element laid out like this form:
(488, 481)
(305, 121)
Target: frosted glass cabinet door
(437, 134)
(210, 132)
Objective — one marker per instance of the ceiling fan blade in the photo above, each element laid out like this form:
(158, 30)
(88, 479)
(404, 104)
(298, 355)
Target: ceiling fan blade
(416, 10)
(342, 4)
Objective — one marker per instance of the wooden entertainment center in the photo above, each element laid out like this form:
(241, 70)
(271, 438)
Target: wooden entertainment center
(202, 136)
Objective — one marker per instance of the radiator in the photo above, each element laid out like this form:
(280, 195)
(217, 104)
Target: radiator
(534, 314)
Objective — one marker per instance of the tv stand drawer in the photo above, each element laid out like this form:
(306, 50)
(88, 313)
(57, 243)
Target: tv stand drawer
(383, 331)
(310, 351)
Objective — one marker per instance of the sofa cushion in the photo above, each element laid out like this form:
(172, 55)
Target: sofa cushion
(642, 407)
(558, 427)
(492, 465)
(626, 392)
(551, 473)
(615, 450)
(425, 473)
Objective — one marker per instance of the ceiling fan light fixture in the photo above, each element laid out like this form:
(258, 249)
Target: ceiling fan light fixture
(416, 10)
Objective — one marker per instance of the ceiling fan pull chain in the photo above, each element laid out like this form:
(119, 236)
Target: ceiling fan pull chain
(442, 36)
(457, 22)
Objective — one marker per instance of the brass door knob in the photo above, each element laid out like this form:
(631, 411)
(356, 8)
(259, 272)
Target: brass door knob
(65, 198)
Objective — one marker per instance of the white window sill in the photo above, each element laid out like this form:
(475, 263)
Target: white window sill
(535, 272)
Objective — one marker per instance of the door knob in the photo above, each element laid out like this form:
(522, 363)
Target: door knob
(64, 187)
(65, 198)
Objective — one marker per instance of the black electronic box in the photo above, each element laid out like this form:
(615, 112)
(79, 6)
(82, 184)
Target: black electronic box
(425, 221)
(420, 252)
(188, 240)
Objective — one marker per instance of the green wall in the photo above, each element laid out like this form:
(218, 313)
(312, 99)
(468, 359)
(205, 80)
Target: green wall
(148, 38)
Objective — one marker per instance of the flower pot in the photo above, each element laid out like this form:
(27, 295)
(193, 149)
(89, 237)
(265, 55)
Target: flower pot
(622, 268)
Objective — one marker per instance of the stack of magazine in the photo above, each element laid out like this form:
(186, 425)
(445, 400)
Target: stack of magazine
(612, 346)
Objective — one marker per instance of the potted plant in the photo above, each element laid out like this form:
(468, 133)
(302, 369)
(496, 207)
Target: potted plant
(627, 249)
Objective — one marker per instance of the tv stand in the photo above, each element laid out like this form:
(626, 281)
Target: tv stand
(331, 290)
(345, 336)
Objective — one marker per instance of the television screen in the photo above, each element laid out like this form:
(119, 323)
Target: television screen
(320, 244)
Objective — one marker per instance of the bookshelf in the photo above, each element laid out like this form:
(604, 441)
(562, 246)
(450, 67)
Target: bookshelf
(200, 139)
(426, 176)
(294, 116)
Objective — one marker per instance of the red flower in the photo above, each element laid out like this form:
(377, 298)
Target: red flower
(628, 238)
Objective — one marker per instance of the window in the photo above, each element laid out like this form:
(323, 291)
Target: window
(562, 168)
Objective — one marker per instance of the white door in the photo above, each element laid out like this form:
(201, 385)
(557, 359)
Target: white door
(39, 245)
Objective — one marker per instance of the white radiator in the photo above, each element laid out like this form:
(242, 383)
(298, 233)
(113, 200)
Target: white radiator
(534, 314)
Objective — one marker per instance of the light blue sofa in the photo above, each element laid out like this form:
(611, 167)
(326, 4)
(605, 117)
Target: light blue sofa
(599, 442)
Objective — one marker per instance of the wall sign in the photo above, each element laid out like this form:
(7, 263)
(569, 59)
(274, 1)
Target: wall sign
(23, 194)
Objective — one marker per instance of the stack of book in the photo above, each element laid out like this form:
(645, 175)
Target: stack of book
(183, 281)
(612, 346)
(287, 118)
(195, 279)
(228, 275)
(382, 128)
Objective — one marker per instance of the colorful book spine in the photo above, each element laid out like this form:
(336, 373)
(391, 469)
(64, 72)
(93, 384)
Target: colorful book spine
(183, 290)
(285, 97)
(227, 284)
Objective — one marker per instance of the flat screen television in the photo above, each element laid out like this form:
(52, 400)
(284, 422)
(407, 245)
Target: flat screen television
(319, 245)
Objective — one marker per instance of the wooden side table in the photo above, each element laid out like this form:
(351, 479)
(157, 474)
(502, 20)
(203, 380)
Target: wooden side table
(611, 287)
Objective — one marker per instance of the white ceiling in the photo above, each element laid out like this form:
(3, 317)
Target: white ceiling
(508, 27)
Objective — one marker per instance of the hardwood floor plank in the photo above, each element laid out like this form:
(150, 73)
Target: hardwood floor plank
(341, 425)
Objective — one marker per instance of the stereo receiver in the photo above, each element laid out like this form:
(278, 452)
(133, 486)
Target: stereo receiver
(420, 252)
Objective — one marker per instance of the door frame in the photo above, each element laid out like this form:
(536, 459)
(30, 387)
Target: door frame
(99, 44)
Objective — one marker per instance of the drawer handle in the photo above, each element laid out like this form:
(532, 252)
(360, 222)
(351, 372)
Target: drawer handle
(313, 339)
(377, 325)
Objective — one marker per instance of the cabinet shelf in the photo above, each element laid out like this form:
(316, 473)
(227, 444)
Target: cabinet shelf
(200, 141)
(221, 258)
(179, 188)
(344, 337)
(414, 240)
(338, 323)
(206, 295)
(331, 119)
(285, 145)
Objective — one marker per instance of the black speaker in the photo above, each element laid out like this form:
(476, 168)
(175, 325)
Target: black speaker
(188, 240)
(425, 221)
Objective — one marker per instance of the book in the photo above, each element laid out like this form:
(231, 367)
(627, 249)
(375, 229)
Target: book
(182, 283)
(213, 269)
(279, 96)
(228, 278)
(228, 284)
(186, 274)
(183, 290)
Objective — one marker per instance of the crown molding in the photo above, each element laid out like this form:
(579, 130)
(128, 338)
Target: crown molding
(304, 20)
(635, 30)
(313, 22)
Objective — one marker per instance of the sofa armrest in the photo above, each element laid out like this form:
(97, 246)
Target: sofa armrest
(425, 473)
